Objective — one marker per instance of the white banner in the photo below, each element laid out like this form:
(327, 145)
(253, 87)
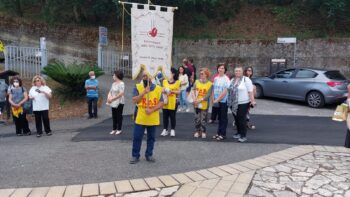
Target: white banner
(152, 37)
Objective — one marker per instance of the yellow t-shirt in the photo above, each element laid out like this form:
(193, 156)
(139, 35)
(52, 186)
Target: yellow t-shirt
(202, 90)
(172, 97)
(150, 100)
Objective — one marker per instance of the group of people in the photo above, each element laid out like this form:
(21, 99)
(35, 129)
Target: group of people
(172, 95)
(23, 102)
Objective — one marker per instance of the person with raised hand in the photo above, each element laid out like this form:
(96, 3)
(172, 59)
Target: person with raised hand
(40, 93)
(148, 98)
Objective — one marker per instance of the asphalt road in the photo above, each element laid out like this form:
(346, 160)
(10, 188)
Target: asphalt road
(271, 129)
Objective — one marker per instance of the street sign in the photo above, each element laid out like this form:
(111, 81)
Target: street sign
(291, 40)
(103, 36)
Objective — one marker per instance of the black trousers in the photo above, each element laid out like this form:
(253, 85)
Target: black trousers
(92, 107)
(215, 113)
(241, 119)
(21, 123)
(117, 116)
(223, 120)
(169, 114)
(40, 118)
(347, 139)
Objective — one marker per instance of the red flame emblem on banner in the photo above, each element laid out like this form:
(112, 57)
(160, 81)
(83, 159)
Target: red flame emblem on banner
(153, 33)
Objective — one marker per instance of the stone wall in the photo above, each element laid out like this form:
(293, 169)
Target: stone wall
(317, 53)
(70, 43)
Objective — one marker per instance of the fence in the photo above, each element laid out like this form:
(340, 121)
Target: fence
(27, 61)
(110, 60)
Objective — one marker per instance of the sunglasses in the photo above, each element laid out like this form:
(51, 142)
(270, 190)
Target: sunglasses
(38, 80)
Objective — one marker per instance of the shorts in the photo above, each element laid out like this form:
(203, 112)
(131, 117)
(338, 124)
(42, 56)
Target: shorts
(2, 106)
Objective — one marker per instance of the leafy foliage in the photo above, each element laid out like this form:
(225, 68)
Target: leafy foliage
(335, 13)
(71, 78)
(330, 15)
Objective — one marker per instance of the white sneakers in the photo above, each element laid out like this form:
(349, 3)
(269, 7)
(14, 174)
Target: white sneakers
(166, 133)
(196, 135)
(204, 135)
(115, 132)
(183, 109)
(118, 132)
(172, 133)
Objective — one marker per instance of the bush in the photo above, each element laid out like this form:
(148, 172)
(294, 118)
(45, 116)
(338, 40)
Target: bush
(200, 20)
(71, 78)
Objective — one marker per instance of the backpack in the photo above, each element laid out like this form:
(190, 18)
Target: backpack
(28, 105)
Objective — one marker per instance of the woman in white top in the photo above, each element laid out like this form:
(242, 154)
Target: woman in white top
(240, 97)
(347, 139)
(40, 94)
(183, 78)
(115, 99)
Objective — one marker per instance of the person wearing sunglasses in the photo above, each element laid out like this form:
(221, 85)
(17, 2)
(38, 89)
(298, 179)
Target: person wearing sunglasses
(17, 97)
(203, 90)
(40, 93)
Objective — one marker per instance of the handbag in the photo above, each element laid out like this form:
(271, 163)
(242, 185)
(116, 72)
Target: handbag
(28, 106)
(341, 113)
(191, 96)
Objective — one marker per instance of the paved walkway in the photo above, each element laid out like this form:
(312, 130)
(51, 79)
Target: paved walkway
(306, 170)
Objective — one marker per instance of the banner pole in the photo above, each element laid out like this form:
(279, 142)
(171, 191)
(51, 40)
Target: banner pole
(129, 3)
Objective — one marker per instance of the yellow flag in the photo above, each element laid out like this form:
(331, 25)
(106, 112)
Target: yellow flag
(2, 46)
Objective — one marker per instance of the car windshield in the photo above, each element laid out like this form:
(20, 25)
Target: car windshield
(334, 75)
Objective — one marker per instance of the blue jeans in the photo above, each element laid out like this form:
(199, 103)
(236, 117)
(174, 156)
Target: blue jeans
(92, 106)
(137, 140)
(223, 120)
(183, 100)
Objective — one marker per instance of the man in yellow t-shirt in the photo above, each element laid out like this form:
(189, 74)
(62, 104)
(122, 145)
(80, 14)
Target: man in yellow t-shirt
(148, 98)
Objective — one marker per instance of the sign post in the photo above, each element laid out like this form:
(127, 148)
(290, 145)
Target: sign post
(43, 52)
(289, 40)
(102, 41)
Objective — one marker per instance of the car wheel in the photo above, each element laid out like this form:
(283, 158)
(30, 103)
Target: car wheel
(315, 99)
(259, 92)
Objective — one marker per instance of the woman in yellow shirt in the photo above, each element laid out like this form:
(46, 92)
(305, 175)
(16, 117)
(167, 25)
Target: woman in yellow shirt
(171, 88)
(202, 88)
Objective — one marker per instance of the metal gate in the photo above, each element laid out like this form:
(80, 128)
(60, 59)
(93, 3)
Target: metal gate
(110, 60)
(27, 61)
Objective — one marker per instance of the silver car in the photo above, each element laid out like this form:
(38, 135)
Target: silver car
(314, 86)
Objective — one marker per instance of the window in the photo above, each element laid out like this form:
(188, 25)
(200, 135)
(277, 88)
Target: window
(305, 74)
(285, 74)
(335, 75)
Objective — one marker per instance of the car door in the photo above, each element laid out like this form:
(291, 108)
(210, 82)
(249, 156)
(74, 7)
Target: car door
(301, 83)
(278, 85)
